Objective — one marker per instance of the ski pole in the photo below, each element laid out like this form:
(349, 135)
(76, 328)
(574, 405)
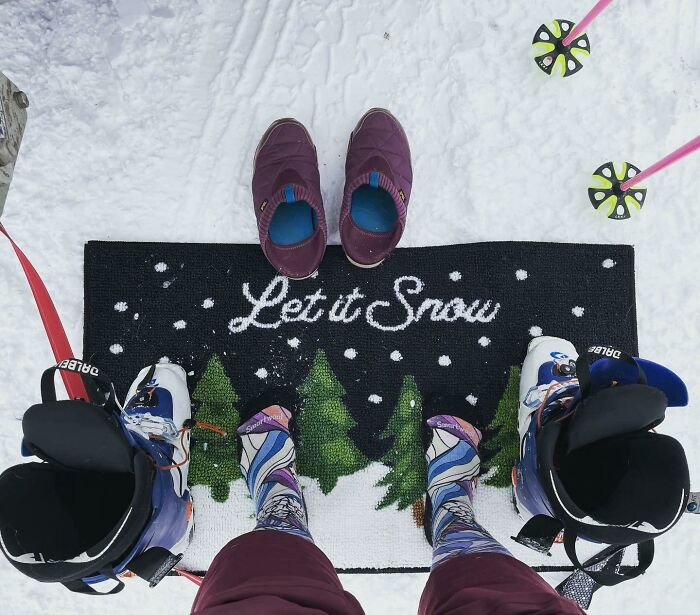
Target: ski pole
(680, 153)
(580, 27)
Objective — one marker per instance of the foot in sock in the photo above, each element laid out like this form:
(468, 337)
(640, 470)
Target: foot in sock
(453, 469)
(268, 465)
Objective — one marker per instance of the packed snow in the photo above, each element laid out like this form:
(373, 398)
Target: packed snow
(144, 119)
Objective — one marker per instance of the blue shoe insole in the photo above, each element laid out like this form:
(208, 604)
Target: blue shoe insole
(292, 223)
(373, 209)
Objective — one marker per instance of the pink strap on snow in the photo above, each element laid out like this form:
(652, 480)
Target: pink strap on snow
(581, 26)
(52, 323)
(196, 579)
(681, 152)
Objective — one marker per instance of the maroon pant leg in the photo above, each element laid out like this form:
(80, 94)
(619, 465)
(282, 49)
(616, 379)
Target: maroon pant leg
(491, 584)
(268, 573)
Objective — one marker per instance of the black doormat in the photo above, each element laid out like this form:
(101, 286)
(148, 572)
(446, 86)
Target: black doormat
(361, 347)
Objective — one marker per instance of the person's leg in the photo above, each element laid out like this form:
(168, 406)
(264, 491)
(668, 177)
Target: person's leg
(472, 573)
(453, 469)
(268, 465)
(278, 570)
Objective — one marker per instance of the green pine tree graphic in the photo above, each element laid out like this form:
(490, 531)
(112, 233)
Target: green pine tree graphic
(407, 479)
(505, 443)
(215, 459)
(327, 451)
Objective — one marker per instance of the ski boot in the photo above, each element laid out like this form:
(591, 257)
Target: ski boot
(590, 463)
(110, 499)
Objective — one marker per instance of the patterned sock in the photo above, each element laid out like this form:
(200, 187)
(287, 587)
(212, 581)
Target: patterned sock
(268, 465)
(453, 469)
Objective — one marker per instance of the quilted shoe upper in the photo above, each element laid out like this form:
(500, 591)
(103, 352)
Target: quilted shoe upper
(285, 162)
(378, 148)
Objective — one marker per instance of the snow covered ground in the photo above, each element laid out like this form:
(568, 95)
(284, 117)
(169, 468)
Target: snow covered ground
(145, 115)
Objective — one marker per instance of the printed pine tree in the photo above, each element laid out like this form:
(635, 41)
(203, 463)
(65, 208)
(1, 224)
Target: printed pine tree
(215, 459)
(408, 477)
(327, 451)
(505, 444)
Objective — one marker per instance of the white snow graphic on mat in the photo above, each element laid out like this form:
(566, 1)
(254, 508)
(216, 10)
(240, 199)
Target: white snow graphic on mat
(207, 304)
(521, 274)
(179, 324)
(484, 341)
(396, 356)
(609, 263)
(294, 342)
(350, 353)
(116, 349)
(577, 311)
(261, 373)
(161, 267)
(121, 306)
(471, 399)
(375, 399)
(455, 276)
(444, 361)
(535, 331)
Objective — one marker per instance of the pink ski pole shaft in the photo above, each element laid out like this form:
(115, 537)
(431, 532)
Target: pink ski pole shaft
(580, 27)
(681, 152)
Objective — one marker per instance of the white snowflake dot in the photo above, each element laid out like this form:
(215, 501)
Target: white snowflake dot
(121, 306)
(116, 349)
(444, 361)
(136, 316)
(374, 398)
(609, 263)
(164, 360)
(161, 267)
(484, 341)
(395, 356)
(455, 276)
(294, 342)
(412, 403)
(521, 274)
(179, 324)
(350, 353)
(535, 331)
(577, 311)
(167, 283)
(261, 373)
(471, 399)
(208, 303)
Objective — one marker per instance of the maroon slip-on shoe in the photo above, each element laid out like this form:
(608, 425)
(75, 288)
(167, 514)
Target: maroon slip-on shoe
(378, 179)
(287, 200)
